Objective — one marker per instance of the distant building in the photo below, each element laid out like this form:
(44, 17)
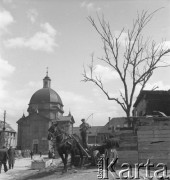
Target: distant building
(10, 135)
(149, 101)
(97, 134)
(92, 137)
(45, 107)
(111, 128)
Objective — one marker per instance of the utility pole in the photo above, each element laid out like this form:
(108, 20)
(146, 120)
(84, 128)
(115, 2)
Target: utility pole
(2, 138)
(4, 120)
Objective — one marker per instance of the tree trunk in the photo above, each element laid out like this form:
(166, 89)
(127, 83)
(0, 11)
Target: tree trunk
(128, 117)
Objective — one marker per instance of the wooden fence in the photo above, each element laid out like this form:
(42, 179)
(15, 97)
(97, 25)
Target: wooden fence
(128, 146)
(154, 140)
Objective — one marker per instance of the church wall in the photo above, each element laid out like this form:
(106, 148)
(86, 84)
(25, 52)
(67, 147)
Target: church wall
(43, 109)
(33, 132)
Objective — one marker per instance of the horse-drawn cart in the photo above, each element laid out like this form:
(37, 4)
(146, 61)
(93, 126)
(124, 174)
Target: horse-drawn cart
(66, 144)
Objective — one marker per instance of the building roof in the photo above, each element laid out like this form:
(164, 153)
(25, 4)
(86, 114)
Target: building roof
(66, 118)
(8, 128)
(113, 123)
(45, 95)
(34, 115)
(148, 92)
(91, 132)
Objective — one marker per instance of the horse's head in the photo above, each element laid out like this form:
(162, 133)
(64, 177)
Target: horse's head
(59, 135)
(50, 136)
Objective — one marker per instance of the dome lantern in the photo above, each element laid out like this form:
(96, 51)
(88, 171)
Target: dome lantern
(46, 81)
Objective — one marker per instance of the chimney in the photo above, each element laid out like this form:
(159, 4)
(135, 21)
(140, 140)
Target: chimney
(109, 124)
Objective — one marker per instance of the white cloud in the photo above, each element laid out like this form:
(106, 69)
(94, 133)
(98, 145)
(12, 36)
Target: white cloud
(106, 73)
(82, 106)
(5, 20)
(123, 39)
(32, 14)
(7, 1)
(165, 45)
(90, 6)
(43, 40)
(68, 97)
(160, 86)
(5, 68)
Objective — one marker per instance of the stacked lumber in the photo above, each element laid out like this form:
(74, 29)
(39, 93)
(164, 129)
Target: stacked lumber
(128, 156)
(154, 141)
(127, 152)
(128, 140)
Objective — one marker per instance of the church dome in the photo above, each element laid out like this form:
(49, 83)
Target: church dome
(45, 95)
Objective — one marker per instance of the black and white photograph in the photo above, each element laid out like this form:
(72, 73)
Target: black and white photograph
(84, 89)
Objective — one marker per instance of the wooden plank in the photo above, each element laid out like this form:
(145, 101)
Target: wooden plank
(127, 153)
(132, 148)
(155, 155)
(154, 136)
(126, 144)
(147, 132)
(155, 161)
(154, 147)
(126, 132)
(161, 131)
(147, 128)
(145, 144)
(154, 139)
(145, 135)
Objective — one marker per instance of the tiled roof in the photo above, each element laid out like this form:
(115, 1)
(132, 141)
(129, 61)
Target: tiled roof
(31, 116)
(113, 122)
(148, 92)
(66, 118)
(91, 132)
(8, 128)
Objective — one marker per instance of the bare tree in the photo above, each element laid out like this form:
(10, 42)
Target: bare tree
(134, 62)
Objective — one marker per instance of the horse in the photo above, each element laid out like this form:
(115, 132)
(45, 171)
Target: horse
(65, 145)
(107, 149)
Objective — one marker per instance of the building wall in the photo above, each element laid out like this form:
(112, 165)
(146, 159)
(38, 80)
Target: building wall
(141, 108)
(33, 130)
(49, 110)
(153, 102)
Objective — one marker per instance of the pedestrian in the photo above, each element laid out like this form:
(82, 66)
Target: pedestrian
(11, 157)
(3, 158)
(111, 153)
(83, 132)
(49, 154)
(31, 154)
(40, 153)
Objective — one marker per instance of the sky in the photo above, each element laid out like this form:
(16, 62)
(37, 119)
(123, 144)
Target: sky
(36, 34)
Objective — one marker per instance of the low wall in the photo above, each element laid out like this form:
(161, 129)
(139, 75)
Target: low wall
(127, 152)
(154, 140)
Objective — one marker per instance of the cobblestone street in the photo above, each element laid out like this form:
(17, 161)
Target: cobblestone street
(23, 171)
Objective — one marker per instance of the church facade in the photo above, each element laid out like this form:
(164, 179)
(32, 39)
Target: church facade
(45, 108)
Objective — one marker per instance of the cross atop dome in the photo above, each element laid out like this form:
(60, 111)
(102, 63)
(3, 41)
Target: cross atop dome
(47, 72)
(46, 80)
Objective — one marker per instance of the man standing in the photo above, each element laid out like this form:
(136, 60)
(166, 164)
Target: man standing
(31, 154)
(11, 157)
(3, 158)
(83, 132)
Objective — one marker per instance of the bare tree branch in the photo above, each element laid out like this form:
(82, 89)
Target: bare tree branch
(135, 66)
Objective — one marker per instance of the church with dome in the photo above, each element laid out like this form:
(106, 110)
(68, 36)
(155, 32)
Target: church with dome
(45, 107)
